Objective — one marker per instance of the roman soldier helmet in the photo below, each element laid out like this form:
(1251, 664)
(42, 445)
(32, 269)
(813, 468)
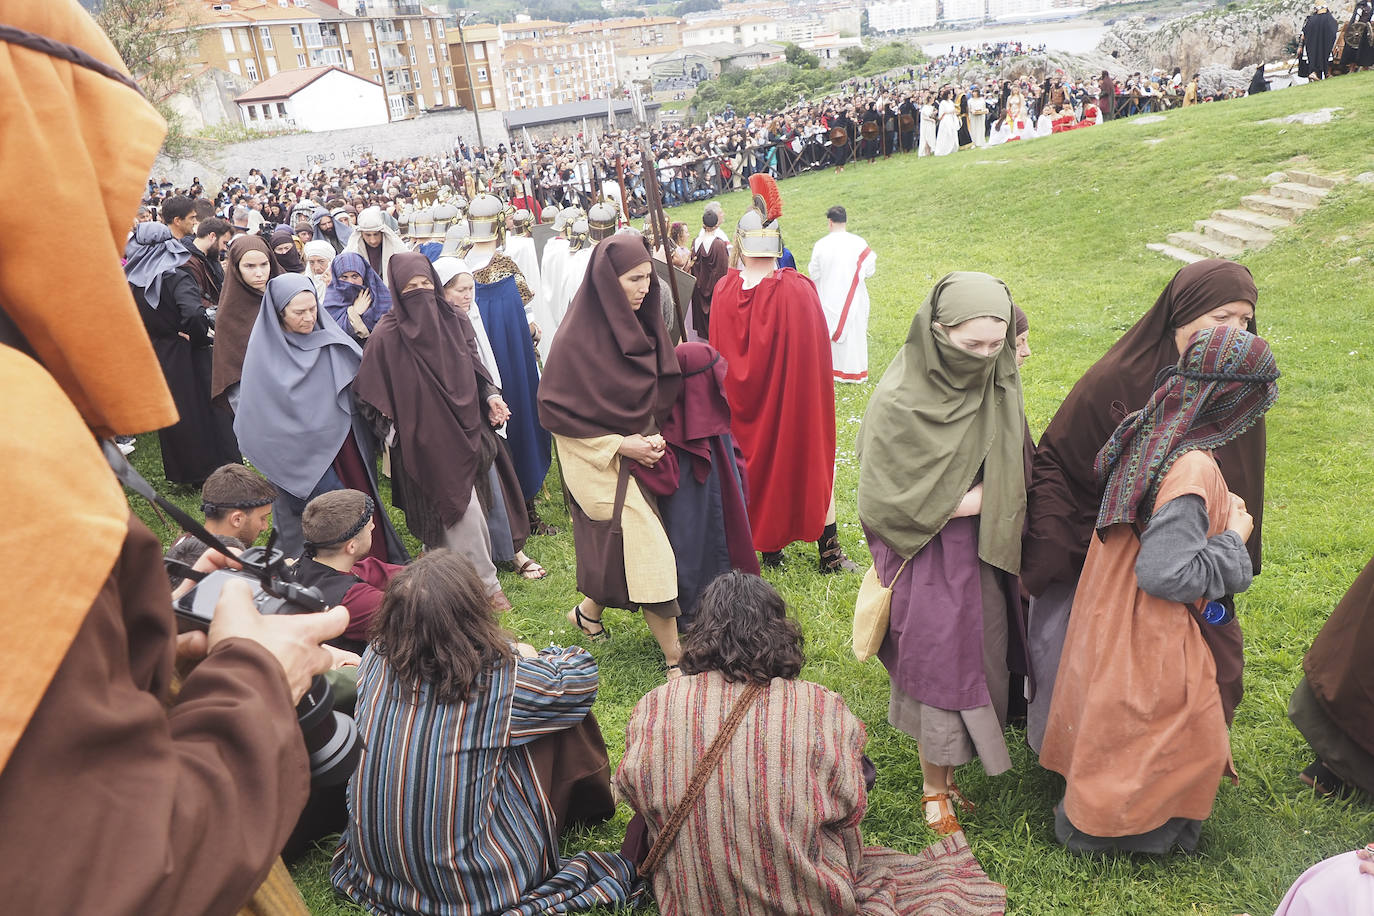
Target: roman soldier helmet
(522, 219)
(454, 237)
(601, 221)
(548, 214)
(759, 234)
(485, 218)
(566, 217)
(578, 230)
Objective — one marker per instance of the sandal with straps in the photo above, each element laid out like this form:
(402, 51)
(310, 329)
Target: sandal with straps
(580, 620)
(956, 795)
(946, 823)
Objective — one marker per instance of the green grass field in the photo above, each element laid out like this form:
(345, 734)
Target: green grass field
(1064, 222)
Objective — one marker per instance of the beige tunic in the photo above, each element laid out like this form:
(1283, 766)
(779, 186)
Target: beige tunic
(591, 468)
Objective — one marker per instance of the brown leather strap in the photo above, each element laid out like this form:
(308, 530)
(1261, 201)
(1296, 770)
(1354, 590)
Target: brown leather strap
(703, 772)
(621, 485)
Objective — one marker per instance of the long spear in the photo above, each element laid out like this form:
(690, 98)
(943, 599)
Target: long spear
(661, 232)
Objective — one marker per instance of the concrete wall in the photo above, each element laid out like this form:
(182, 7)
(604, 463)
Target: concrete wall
(433, 134)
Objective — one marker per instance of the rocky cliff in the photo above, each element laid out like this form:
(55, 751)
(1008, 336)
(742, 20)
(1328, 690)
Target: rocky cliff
(1235, 37)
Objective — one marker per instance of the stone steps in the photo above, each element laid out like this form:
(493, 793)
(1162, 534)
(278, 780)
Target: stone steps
(1254, 219)
(1241, 236)
(1227, 233)
(1303, 193)
(1310, 178)
(1178, 254)
(1285, 207)
(1209, 247)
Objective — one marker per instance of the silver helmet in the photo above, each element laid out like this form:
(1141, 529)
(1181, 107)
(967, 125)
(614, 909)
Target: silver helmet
(548, 214)
(601, 221)
(454, 238)
(485, 213)
(757, 239)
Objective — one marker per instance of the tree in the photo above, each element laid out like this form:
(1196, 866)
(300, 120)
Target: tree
(800, 57)
(855, 57)
(695, 6)
(156, 40)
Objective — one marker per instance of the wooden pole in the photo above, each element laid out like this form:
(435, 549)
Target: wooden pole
(661, 231)
(620, 179)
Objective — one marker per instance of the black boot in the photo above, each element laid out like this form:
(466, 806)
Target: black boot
(832, 558)
(772, 558)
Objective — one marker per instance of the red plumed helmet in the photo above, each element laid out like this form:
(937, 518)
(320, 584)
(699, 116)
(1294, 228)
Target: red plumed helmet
(766, 195)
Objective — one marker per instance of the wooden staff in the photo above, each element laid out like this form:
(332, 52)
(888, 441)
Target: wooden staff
(660, 220)
(620, 179)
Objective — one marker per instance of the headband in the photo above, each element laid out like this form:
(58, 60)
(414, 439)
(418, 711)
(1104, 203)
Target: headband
(312, 547)
(207, 507)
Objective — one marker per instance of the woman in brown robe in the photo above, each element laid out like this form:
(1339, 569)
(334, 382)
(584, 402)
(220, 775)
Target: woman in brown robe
(610, 382)
(1333, 705)
(1137, 725)
(1065, 494)
(239, 303)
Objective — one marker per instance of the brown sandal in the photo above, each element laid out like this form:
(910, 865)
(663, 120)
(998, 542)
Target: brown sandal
(946, 823)
(531, 570)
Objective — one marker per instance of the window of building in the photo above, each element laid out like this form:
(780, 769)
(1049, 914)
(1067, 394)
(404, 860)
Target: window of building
(296, 37)
(452, 99)
(300, 61)
(266, 34)
(485, 97)
(252, 112)
(405, 24)
(234, 68)
(398, 106)
(343, 32)
(243, 39)
(443, 51)
(428, 33)
(479, 51)
(251, 70)
(439, 23)
(227, 36)
(435, 81)
(448, 77)
(482, 74)
(348, 60)
(430, 49)
(372, 58)
(281, 109)
(367, 34)
(267, 112)
(271, 66)
(413, 60)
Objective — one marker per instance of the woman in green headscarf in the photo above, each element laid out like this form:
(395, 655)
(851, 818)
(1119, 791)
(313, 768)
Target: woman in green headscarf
(942, 497)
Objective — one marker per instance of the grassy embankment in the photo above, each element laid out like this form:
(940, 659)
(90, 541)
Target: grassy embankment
(1064, 221)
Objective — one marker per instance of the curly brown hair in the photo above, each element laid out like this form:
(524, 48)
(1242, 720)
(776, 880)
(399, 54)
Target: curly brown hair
(742, 631)
(436, 627)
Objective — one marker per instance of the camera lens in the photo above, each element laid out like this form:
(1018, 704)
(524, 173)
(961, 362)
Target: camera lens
(331, 738)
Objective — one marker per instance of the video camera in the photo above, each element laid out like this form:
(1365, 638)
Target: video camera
(331, 738)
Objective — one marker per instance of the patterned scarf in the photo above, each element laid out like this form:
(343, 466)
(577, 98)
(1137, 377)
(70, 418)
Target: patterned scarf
(1222, 386)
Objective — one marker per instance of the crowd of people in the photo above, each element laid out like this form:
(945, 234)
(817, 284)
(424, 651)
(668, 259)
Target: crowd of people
(696, 439)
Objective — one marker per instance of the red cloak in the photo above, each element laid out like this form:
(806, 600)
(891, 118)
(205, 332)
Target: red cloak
(782, 401)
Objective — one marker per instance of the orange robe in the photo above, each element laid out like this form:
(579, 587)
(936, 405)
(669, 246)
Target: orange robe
(1136, 724)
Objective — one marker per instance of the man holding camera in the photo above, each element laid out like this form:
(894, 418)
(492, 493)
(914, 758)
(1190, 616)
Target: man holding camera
(115, 796)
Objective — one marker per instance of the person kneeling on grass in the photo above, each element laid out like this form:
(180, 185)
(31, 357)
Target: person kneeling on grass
(479, 752)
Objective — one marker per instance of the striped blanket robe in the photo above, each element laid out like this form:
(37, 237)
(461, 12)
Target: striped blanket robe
(776, 830)
(445, 813)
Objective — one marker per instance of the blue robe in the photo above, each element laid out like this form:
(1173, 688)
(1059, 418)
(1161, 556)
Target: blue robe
(503, 316)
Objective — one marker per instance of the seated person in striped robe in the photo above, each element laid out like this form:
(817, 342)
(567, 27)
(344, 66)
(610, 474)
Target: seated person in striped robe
(479, 752)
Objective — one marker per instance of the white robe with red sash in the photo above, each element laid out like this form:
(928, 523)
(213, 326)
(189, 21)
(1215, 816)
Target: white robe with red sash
(840, 262)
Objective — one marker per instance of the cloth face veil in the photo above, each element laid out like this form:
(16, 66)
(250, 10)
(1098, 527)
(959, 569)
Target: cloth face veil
(939, 415)
(151, 253)
(295, 404)
(1221, 387)
(421, 371)
(340, 296)
(290, 261)
(612, 369)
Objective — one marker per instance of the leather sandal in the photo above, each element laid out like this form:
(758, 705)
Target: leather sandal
(580, 620)
(957, 796)
(833, 559)
(946, 823)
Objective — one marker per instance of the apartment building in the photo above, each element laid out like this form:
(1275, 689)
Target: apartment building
(548, 63)
(399, 44)
(476, 49)
(745, 30)
(631, 36)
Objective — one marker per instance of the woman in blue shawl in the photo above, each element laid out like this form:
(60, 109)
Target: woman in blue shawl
(296, 420)
(356, 297)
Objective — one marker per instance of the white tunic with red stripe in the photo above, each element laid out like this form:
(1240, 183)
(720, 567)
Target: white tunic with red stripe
(840, 263)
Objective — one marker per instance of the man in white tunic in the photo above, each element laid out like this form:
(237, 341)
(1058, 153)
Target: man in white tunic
(553, 303)
(840, 262)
